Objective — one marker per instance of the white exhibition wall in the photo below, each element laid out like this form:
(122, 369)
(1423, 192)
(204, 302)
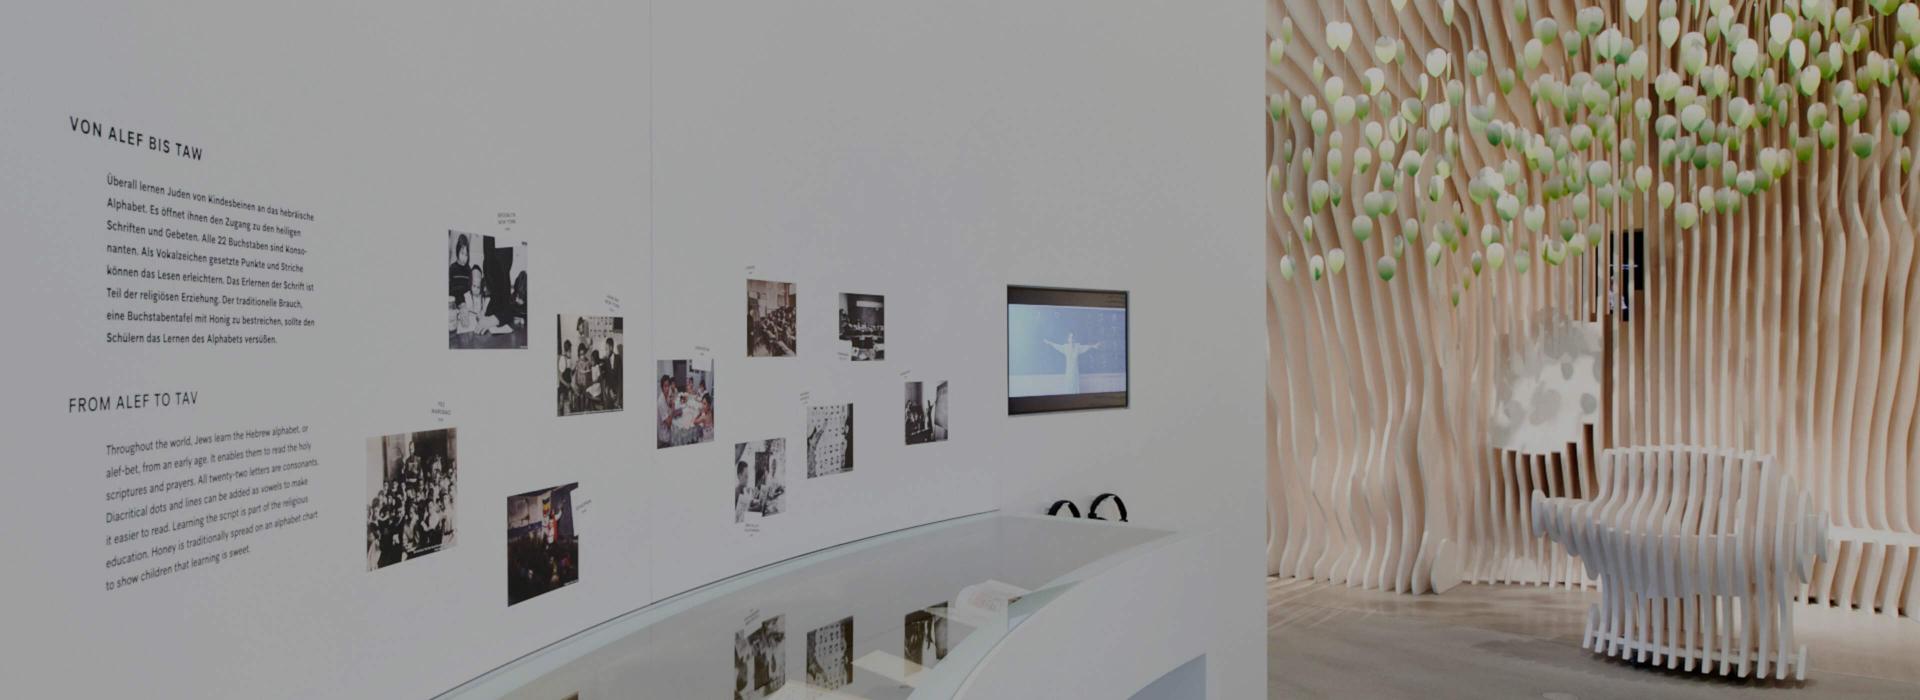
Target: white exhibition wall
(654, 156)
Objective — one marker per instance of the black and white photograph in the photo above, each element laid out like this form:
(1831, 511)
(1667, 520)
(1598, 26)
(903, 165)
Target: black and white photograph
(760, 486)
(592, 359)
(830, 656)
(829, 439)
(759, 659)
(543, 548)
(411, 484)
(926, 636)
(486, 292)
(926, 414)
(863, 326)
(772, 322)
(684, 402)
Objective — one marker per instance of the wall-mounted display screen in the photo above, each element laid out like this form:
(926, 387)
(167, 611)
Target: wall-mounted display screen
(1066, 349)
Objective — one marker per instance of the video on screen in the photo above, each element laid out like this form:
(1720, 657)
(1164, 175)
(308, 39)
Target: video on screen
(1066, 343)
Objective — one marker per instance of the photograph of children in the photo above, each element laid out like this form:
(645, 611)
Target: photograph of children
(926, 415)
(592, 359)
(830, 656)
(759, 659)
(543, 549)
(926, 642)
(411, 480)
(760, 485)
(684, 402)
(863, 325)
(829, 439)
(486, 292)
(771, 319)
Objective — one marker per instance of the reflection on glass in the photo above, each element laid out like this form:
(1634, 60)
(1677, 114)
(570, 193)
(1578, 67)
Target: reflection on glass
(870, 632)
(759, 659)
(927, 636)
(830, 655)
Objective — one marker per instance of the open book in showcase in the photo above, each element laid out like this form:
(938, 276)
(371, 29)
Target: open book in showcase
(1066, 349)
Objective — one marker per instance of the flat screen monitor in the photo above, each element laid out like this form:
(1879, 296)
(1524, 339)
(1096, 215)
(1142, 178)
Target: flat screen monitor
(1066, 349)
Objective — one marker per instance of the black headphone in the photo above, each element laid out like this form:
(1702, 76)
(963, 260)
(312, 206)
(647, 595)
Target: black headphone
(1093, 509)
(1071, 508)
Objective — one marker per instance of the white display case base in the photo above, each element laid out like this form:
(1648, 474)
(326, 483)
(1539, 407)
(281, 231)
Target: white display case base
(986, 606)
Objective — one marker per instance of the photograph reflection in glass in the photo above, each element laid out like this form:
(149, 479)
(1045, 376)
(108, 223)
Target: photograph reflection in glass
(926, 636)
(830, 655)
(759, 659)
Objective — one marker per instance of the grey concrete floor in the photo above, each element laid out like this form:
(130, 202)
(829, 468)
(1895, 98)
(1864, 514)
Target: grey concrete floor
(1485, 641)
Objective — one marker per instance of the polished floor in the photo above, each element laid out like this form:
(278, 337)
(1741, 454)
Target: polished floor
(1327, 641)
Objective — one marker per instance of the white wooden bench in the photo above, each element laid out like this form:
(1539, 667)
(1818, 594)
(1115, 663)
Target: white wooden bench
(1700, 553)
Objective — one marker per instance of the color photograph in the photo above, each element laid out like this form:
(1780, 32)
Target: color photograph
(684, 402)
(543, 547)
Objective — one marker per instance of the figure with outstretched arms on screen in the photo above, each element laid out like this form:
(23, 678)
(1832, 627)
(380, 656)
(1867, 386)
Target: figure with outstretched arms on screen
(1072, 351)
